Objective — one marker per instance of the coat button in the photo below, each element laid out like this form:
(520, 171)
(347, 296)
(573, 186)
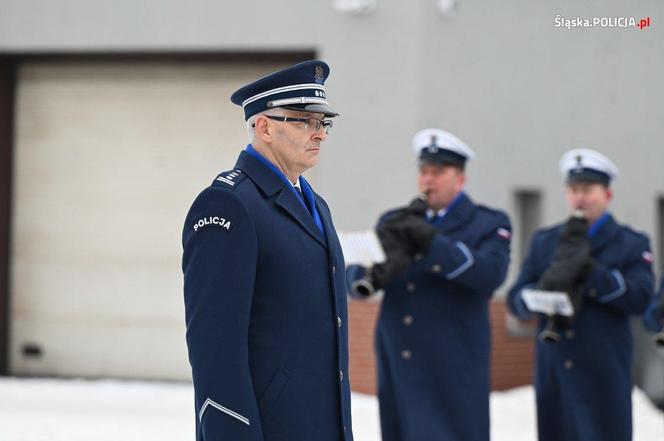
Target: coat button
(407, 320)
(569, 364)
(436, 268)
(417, 257)
(569, 334)
(406, 354)
(339, 322)
(334, 269)
(592, 292)
(341, 375)
(410, 287)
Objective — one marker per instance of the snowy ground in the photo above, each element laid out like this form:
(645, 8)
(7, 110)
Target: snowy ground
(81, 410)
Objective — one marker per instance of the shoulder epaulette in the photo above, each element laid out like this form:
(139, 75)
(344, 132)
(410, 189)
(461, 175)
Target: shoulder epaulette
(635, 231)
(229, 179)
(489, 210)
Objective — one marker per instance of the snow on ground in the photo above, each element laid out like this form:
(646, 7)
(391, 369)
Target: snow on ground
(111, 410)
(513, 416)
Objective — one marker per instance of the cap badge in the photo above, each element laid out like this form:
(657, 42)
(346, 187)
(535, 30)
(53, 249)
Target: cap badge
(319, 74)
(433, 147)
(579, 163)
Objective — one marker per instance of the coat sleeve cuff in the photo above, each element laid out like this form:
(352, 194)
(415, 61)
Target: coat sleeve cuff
(467, 262)
(353, 274)
(209, 404)
(606, 285)
(519, 306)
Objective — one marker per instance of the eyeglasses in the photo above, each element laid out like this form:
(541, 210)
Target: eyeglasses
(310, 124)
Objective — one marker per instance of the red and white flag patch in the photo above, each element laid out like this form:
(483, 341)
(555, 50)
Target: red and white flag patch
(647, 256)
(504, 233)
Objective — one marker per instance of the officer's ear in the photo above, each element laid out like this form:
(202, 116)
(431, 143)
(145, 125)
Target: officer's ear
(462, 177)
(262, 129)
(609, 193)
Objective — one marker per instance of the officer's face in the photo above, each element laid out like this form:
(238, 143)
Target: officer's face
(441, 183)
(592, 198)
(295, 147)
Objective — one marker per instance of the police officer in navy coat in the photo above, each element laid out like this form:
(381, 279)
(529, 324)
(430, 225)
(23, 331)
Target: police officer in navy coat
(582, 382)
(264, 284)
(653, 319)
(445, 257)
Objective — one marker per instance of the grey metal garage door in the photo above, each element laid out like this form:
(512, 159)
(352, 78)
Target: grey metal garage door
(109, 157)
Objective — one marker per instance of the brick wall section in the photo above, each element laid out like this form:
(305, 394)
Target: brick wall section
(362, 319)
(511, 358)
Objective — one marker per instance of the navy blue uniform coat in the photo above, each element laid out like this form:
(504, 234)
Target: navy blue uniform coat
(266, 312)
(583, 383)
(653, 319)
(433, 334)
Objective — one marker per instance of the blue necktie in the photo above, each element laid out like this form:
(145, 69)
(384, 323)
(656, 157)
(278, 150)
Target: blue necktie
(299, 191)
(435, 219)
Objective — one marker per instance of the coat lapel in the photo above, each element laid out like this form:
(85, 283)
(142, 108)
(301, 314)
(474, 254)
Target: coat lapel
(270, 184)
(289, 203)
(458, 215)
(604, 236)
(327, 221)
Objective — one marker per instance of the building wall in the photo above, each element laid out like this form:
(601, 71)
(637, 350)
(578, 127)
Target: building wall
(517, 89)
(499, 74)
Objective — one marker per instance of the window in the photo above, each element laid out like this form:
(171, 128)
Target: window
(528, 218)
(659, 245)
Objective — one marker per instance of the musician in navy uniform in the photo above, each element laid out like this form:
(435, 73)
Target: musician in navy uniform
(582, 377)
(445, 257)
(653, 319)
(264, 285)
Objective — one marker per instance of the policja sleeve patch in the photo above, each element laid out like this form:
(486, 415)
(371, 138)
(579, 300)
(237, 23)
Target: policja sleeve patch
(212, 221)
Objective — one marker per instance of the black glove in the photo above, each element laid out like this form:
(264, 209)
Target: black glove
(393, 239)
(415, 233)
(418, 206)
(397, 243)
(409, 227)
(382, 273)
(397, 258)
(571, 260)
(567, 271)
